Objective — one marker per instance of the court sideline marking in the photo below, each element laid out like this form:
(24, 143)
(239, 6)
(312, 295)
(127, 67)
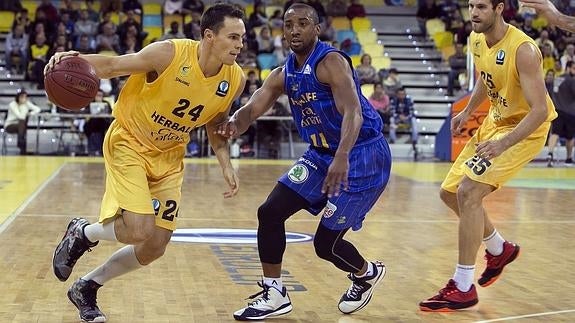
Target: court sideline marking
(29, 199)
(526, 316)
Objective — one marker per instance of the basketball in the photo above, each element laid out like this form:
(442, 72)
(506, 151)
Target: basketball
(72, 84)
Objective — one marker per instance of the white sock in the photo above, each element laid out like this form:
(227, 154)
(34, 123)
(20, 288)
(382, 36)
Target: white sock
(368, 272)
(464, 277)
(274, 282)
(121, 262)
(98, 231)
(494, 243)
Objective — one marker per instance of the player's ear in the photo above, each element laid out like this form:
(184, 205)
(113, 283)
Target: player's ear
(209, 35)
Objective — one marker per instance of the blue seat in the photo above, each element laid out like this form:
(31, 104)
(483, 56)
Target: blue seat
(355, 49)
(152, 20)
(267, 61)
(345, 34)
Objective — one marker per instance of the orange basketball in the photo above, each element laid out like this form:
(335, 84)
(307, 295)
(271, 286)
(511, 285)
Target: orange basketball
(72, 84)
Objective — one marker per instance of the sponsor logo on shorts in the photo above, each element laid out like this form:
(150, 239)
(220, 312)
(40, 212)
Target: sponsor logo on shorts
(298, 173)
(156, 206)
(329, 210)
(341, 220)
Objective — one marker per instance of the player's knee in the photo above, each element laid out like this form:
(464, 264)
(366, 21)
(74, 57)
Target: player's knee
(143, 230)
(446, 196)
(150, 254)
(269, 214)
(324, 246)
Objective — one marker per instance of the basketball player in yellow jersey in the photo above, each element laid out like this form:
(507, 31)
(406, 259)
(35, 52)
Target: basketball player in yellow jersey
(509, 68)
(175, 86)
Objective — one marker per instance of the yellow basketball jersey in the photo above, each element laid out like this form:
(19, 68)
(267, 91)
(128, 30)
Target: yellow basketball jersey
(496, 68)
(161, 114)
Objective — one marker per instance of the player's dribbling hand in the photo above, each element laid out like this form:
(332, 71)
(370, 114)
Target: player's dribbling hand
(233, 182)
(227, 129)
(57, 58)
(489, 149)
(336, 176)
(458, 122)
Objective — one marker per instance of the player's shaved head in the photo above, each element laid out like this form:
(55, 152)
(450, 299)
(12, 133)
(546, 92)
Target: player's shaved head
(311, 13)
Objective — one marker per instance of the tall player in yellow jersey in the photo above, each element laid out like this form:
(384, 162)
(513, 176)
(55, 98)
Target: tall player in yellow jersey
(510, 75)
(175, 86)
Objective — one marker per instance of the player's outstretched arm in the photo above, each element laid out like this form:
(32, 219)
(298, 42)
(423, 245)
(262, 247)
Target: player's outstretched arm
(550, 12)
(154, 57)
(261, 101)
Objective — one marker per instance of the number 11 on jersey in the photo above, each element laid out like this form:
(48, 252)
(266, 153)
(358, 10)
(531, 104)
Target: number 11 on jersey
(322, 141)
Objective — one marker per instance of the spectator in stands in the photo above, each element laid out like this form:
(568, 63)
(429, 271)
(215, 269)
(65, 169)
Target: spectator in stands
(128, 23)
(41, 25)
(265, 40)
(16, 48)
(132, 5)
(171, 7)
(49, 10)
(281, 49)
(366, 73)
(85, 26)
(110, 6)
(428, 10)
(39, 57)
(457, 65)
(328, 32)
(550, 84)
(463, 33)
(509, 10)
(95, 128)
(17, 118)
(247, 57)
(336, 8)
(67, 22)
(380, 101)
(276, 20)
(85, 45)
(191, 6)
(254, 79)
(192, 29)
(174, 32)
(129, 45)
(568, 56)
(402, 116)
(451, 14)
(392, 82)
(529, 29)
(93, 14)
(107, 20)
(544, 40)
(22, 18)
(70, 7)
(108, 41)
(564, 125)
(548, 58)
(10, 5)
(258, 17)
(355, 9)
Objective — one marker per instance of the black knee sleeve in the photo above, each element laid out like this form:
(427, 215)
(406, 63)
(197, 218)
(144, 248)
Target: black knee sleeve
(329, 245)
(272, 214)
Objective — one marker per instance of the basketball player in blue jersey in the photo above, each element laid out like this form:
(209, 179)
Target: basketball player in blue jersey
(339, 177)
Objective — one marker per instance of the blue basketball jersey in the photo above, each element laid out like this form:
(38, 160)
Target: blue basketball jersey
(313, 105)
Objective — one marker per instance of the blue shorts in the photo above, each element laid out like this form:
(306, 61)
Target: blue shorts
(369, 169)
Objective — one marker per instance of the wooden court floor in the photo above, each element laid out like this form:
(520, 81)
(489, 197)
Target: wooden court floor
(409, 229)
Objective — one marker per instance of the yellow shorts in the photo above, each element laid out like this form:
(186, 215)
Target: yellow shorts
(500, 169)
(141, 180)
